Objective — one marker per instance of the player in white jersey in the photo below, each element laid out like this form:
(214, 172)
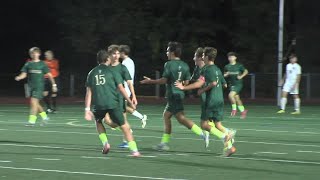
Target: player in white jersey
(291, 81)
(128, 62)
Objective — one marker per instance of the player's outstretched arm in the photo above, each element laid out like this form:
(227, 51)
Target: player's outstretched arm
(195, 85)
(21, 76)
(88, 115)
(148, 80)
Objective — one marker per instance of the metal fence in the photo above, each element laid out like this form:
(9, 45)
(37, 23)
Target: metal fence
(256, 85)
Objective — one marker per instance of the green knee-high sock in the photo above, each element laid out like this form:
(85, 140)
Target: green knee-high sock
(103, 138)
(43, 115)
(32, 119)
(241, 108)
(217, 133)
(165, 138)
(197, 130)
(234, 106)
(133, 146)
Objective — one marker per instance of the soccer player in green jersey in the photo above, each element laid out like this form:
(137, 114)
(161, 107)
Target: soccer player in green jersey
(174, 70)
(102, 85)
(211, 82)
(235, 72)
(35, 71)
(117, 67)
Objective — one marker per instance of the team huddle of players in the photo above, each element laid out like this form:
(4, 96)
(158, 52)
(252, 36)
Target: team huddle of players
(110, 93)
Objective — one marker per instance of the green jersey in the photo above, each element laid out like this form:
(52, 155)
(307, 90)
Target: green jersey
(234, 71)
(215, 95)
(175, 70)
(122, 69)
(104, 83)
(36, 72)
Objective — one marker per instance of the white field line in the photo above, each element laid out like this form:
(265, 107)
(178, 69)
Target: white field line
(47, 159)
(84, 173)
(276, 153)
(2, 161)
(274, 160)
(316, 152)
(156, 137)
(90, 157)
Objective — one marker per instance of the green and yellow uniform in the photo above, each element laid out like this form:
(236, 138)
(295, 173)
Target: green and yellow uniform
(175, 70)
(212, 109)
(125, 76)
(234, 70)
(36, 72)
(103, 83)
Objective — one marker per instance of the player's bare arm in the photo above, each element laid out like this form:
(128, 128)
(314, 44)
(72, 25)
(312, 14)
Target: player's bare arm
(53, 82)
(125, 95)
(245, 72)
(133, 93)
(148, 80)
(21, 76)
(195, 85)
(88, 115)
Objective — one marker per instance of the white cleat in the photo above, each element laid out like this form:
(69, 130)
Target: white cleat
(29, 124)
(144, 121)
(161, 147)
(44, 121)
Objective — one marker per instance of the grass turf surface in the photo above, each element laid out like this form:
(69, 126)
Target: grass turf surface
(270, 146)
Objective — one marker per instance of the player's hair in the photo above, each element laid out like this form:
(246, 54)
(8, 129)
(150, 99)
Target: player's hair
(125, 49)
(175, 47)
(199, 52)
(34, 49)
(232, 54)
(113, 48)
(211, 52)
(49, 51)
(102, 56)
(293, 55)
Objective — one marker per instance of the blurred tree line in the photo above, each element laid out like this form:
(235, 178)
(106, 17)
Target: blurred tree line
(247, 27)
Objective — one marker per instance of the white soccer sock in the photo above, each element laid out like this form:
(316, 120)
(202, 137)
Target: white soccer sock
(137, 114)
(283, 103)
(297, 104)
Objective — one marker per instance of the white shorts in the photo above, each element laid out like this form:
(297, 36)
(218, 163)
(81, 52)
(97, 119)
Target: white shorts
(290, 88)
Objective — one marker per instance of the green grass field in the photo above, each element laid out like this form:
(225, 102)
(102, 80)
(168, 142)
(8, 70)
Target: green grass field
(270, 146)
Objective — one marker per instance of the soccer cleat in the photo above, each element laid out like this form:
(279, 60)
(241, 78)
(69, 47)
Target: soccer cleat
(281, 111)
(29, 124)
(123, 145)
(44, 121)
(296, 113)
(244, 114)
(228, 152)
(49, 110)
(233, 113)
(161, 147)
(135, 154)
(106, 148)
(206, 138)
(144, 121)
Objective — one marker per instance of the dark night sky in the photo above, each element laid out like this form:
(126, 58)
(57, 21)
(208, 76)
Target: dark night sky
(31, 23)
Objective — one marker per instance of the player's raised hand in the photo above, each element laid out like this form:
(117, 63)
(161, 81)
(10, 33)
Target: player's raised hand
(239, 77)
(146, 80)
(88, 115)
(179, 85)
